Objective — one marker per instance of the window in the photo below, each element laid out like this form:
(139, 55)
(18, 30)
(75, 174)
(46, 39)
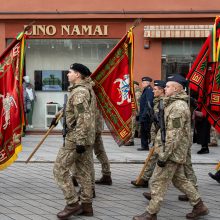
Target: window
(178, 55)
(50, 80)
(45, 57)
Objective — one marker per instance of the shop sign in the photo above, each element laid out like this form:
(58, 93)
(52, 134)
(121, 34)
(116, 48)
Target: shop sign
(68, 30)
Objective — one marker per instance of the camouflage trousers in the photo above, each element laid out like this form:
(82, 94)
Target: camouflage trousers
(148, 172)
(188, 169)
(161, 179)
(67, 158)
(133, 127)
(101, 155)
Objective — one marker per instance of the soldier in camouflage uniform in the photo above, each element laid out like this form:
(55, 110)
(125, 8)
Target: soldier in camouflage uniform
(80, 117)
(158, 90)
(170, 162)
(135, 125)
(100, 152)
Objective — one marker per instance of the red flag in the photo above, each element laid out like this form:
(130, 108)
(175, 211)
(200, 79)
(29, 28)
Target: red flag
(114, 89)
(11, 104)
(203, 77)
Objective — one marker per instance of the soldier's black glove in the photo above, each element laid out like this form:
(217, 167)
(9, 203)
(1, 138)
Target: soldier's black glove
(53, 122)
(80, 149)
(161, 163)
(137, 117)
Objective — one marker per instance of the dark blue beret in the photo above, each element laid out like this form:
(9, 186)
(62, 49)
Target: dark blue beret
(146, 78)
(160, 83)
(82, 69)
(179, 79)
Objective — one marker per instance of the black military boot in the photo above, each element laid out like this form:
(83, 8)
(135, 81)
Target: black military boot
(105, 180)
(129, 143)
(147, 195)
(73, 209)
(142, 183)
(215, 176)
(204, 150)
(145, 216)
(87, 209)
(183, 198)
(198, 210)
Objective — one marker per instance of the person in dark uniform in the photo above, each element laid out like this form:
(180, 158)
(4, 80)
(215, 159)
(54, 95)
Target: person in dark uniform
(146, 104)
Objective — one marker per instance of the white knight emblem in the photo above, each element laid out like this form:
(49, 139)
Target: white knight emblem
(124, 89)
(7, 101)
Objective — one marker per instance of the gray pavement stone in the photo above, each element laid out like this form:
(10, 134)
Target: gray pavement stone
(119, 201)
(125, 154)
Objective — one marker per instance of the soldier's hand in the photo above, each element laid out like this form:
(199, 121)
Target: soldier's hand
(53, 122)
(80, 149)
(161, 163)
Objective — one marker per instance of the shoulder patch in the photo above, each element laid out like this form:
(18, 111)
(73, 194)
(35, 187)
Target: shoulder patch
(176, 122)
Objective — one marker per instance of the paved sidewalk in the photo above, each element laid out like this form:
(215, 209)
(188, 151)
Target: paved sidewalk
(49, 149)
(28, 191)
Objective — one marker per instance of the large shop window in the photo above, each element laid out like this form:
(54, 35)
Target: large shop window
(178, 55)
(47, 60)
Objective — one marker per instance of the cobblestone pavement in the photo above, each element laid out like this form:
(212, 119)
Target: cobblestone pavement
(28, 191)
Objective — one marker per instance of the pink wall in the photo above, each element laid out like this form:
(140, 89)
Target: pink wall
(147, 61)
(2, 37)
(100, 5)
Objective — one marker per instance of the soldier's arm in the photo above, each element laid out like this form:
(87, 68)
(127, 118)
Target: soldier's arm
(82, 116)
(153, 132)
(174, 127)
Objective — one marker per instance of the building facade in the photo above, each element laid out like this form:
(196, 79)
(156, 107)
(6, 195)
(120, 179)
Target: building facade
(166, 41)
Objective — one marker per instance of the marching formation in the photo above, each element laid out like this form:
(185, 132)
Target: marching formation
(165, 107)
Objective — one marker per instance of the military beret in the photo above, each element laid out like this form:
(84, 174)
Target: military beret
(82, 69)
(146, 78)
(136, 83)
(179, 79)
(160, 83)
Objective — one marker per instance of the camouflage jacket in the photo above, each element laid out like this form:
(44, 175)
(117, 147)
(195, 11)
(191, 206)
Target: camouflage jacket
(138, 92)
(80, 114)
(99, 121)
(178, 129)
(154, 129)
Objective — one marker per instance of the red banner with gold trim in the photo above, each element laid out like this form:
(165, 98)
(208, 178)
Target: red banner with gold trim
(11, 104)
(204, 74)
(114, 89)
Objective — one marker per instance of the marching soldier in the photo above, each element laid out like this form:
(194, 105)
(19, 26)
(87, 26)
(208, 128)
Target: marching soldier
(100, 152)
(170, 162)
(158, 90)
(80, 117)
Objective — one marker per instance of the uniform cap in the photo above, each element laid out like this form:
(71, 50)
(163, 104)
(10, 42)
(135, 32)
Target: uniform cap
(160, 83)
(82, 69)
(146, 78)
(179, 79)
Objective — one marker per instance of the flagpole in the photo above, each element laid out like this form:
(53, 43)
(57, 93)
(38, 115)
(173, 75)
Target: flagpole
(43, 139)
